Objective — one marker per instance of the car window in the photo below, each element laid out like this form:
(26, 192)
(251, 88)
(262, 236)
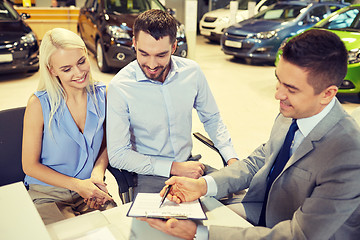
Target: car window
(334, 8)
(132, 6)
(280, 12)
(345, 20)
(317, 13)
(7, 12)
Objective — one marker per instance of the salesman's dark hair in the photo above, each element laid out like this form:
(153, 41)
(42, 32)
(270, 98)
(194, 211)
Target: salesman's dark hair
(157, 23)
(322, 54)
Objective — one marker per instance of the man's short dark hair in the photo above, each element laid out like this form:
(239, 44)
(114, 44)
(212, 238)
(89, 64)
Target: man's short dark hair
(157, 23)
(322, 54)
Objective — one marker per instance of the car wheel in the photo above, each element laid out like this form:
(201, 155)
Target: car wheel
(183, 53)
(101, 62)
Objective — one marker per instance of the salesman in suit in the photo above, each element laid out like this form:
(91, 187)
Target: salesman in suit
(314, 191)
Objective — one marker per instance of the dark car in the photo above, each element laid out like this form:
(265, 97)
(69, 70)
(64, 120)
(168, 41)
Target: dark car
(106, 28)
(260, 37)
(18, 43)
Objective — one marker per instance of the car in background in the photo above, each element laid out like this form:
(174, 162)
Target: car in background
(346, 24)
(213, 23)
(260, 37)
(106, 28)
(19, 46)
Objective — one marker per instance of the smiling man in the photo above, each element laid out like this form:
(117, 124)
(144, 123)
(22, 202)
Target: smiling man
(304, 182)
(150, 103)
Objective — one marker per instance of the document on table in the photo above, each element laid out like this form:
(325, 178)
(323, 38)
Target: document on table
(147, 205)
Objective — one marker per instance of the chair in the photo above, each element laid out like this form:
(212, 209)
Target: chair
(210, 144)
(11, 128)
(125, 182)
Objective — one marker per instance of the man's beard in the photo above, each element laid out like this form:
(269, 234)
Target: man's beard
(155, 78)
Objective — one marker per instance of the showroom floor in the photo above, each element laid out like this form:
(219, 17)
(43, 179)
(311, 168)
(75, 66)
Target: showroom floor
(244, 94)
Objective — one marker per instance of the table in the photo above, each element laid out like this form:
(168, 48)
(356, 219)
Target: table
(113, 224)
(19, 217)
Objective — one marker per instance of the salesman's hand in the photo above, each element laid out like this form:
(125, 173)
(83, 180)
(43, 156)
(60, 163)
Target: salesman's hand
(184, 229)
(185, 189)
(191, 169)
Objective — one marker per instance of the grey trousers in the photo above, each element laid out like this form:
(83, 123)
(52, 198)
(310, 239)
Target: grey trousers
(56, 204)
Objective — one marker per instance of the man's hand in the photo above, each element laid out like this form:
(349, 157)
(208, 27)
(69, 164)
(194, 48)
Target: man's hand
(232, 160)
(92, 203)
(185, 189)
(185, 229)
(191, 169)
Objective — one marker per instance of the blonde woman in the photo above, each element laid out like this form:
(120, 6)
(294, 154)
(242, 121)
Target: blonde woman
(64, 152)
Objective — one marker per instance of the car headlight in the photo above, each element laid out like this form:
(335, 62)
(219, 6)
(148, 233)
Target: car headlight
(180, 31)
(118, 31)
(266, 35)
(28, 39)
(354, 56)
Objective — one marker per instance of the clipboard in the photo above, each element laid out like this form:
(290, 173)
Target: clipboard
(147, 205)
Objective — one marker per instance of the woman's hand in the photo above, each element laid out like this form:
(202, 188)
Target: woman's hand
(92, 194)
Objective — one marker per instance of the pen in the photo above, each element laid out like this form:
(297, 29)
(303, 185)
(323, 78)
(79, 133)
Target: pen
(165, 194)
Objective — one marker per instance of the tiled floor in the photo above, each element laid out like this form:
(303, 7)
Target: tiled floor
(244, 94)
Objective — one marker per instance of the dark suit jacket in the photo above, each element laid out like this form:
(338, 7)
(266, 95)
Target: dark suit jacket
(316, 196)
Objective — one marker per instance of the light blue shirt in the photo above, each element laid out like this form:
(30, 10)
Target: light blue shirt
(65, 149)
(149, 123)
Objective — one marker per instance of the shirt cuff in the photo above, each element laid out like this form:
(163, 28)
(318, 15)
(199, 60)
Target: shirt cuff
(228, 153)
(202, 233)
(162, 167)
(211, 186)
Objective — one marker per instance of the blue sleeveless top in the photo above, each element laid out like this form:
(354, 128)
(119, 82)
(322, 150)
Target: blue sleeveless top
(65, 149)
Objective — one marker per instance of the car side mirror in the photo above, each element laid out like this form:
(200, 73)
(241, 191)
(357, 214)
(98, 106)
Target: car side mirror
(25, 16)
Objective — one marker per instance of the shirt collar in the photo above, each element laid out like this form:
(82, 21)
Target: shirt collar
(140, 76)
(306, 125)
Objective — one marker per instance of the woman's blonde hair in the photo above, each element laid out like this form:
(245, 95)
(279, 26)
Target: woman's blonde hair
(58, 38)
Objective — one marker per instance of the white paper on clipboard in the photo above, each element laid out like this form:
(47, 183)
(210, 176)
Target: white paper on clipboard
(147, 205)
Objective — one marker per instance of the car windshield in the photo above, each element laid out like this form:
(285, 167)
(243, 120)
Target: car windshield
(132, 6)
(280, 12)
(7, 12)
(242, 5)
(345, 20)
